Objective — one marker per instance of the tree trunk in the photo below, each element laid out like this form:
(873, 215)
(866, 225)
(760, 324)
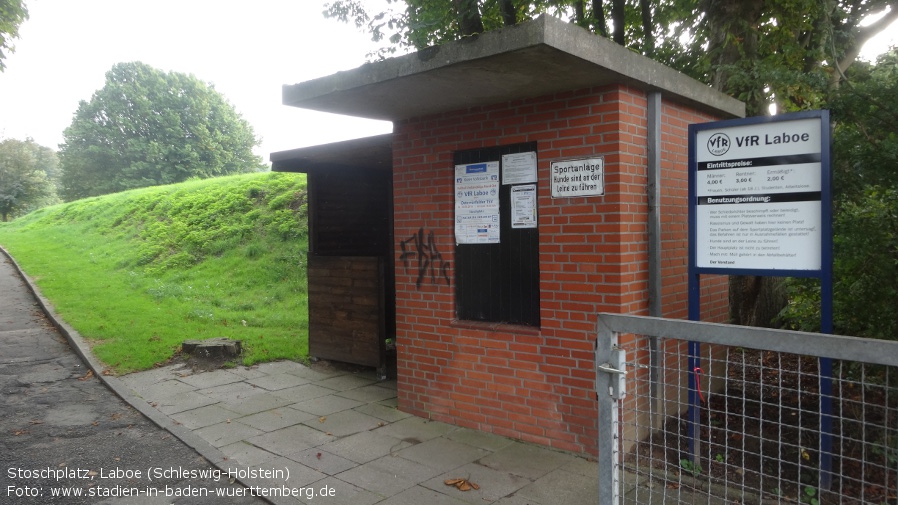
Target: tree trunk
(618, 18)
(598, 15)
(734, 43)
(509, 16)
(733, 46)
(580, 13)
(468, 15)
(648, 46)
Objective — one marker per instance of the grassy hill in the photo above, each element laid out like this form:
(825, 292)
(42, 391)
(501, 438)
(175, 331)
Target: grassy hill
(138, 272)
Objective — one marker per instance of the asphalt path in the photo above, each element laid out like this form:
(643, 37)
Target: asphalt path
(62, 431)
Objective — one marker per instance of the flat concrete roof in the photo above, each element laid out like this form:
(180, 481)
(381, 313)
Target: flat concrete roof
(535, 58)
(370, 153)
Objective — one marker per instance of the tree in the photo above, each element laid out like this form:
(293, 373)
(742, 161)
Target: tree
(146, 127)
(865, 200)
(24, 184)
(12, 14)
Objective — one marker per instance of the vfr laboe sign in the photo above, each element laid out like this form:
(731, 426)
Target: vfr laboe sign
(758, 187)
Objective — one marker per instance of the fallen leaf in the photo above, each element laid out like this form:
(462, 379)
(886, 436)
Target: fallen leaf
(88, 375)
(322, 419)
(453, 482)
(318, 455)
(464, 486)
(36, 421)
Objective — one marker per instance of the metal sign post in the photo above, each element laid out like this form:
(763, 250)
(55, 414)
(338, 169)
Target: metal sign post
(760, 203)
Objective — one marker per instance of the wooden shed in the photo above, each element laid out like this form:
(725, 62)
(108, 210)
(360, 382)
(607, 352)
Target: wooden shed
(350, 269)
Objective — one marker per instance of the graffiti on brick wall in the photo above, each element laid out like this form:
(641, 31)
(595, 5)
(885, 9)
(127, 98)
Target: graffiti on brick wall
(416, 249)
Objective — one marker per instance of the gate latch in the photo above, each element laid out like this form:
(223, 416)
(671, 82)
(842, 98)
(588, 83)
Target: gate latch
(618, 370)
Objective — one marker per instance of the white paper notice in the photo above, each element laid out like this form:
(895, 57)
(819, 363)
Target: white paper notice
(477, 203)
(523, 206)
(519, 168)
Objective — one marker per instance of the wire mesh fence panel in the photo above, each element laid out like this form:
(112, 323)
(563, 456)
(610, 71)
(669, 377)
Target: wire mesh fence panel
(751, 431)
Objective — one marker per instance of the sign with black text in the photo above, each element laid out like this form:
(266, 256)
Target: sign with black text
(756, 192)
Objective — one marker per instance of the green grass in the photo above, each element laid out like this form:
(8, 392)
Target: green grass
(138, 272)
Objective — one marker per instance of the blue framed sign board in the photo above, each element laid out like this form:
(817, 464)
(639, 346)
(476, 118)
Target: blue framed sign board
(760, 204)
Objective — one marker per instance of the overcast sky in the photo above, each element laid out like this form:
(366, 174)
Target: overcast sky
(248, 50)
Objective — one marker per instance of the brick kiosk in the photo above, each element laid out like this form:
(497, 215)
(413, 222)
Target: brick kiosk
(495, 330)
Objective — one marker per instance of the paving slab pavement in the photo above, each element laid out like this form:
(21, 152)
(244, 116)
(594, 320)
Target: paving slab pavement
(341, 431)
(324, 435)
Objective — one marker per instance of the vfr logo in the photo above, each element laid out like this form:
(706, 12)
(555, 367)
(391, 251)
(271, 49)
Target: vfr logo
(718, 144)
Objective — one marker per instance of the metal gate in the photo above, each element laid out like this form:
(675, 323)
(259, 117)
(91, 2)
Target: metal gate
(759, 420)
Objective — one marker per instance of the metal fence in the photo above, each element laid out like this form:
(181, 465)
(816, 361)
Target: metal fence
(765, 416)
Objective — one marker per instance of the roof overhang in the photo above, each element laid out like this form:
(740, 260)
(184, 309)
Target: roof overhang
(536, 58)
(370, 153)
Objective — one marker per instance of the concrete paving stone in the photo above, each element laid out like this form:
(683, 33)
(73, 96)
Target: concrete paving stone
(416, 429)
(341, 424)
(247, 405)
(344, 382)
(296, 474)
(493, 484)
(162, 390)
(390, 402)
(526, 460)
(562, 487)
(211, 379)
(246, 454)
(222, 434)
(344, 493)
(368, 394)
(389, 384)
(233, 391)
(150, 377)
(582, 466)
(323, 461)
(480, 439)
(304, 392)
(315, 374)
(275, 419)
(442, 454)
(290, 440)
(417, 495)
(365, 446)
(276, 367)
(203, 416)
(388, 414)
(326, 405)
(248, 372)
(278, 381)
(388, 475)
(180, 402)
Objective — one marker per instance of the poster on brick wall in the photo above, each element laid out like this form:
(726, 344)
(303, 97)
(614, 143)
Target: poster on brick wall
(477, 203)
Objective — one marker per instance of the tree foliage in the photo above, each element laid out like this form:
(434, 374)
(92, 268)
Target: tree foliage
(25, 171)
(146, 127)
(12, 14)
(865, 223)
(787, 52)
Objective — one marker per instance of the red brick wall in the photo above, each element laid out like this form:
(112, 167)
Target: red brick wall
(536, 384)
